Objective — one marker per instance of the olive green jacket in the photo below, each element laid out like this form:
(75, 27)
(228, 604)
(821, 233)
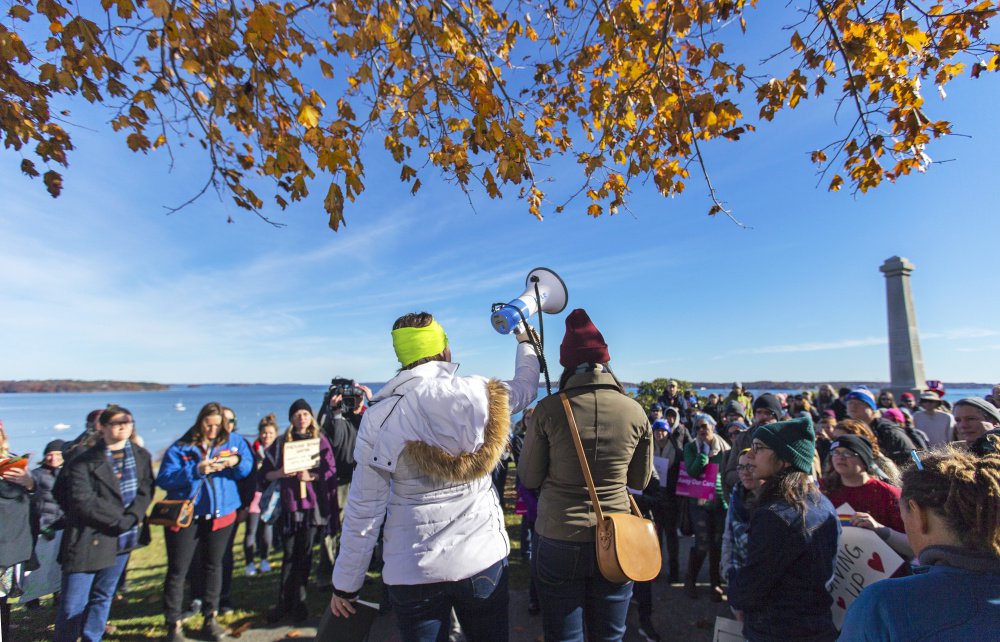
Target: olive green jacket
(617, 440)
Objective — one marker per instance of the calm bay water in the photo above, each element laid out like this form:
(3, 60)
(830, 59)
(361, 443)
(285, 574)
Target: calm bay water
(30, 419)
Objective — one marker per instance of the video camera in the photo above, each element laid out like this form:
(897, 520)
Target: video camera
(348, 390)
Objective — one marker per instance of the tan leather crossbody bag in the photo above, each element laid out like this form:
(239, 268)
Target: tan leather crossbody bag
(627, 545)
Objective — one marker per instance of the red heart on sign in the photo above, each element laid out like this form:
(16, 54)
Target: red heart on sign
(876, 563)
(841, 603)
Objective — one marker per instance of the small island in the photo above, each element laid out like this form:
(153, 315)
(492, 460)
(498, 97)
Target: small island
(75, 385)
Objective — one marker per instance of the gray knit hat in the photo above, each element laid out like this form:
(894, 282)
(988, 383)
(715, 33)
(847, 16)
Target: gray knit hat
(989, 410)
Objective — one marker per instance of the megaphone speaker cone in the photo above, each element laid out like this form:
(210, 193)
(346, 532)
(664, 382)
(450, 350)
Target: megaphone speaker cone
(550, 297)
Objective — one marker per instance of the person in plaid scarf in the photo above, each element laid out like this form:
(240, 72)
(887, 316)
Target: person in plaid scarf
(104, 493)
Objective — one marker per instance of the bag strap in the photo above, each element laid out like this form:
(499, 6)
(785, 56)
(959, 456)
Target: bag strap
(575, 431)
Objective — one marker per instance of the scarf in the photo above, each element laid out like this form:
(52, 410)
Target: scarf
(128, 484)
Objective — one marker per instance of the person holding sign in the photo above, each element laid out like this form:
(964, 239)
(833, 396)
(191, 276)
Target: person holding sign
(705, 457)
(203, 467)
(951, 512)
(780, 592)
(425, 451)
(303, 460)
(876, 503)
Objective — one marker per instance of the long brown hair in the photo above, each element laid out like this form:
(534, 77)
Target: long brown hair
(197, 431)
(791, 485)
(964, 490)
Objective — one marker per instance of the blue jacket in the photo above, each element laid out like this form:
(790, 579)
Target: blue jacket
(220, 495)
(781, 588)
(954, 597)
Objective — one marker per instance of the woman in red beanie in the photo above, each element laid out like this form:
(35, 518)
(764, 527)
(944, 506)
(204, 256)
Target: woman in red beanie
(617, 440)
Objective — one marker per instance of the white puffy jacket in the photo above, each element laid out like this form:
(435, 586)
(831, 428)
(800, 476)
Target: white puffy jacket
(425, 451)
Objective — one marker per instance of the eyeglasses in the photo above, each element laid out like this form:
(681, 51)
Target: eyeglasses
(745, 468)
(757, 446)
(844, 454)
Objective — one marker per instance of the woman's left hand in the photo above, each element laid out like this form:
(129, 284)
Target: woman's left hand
(864, 520)
(341, 607)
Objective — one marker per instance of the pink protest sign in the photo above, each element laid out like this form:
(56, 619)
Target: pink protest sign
(704, 488)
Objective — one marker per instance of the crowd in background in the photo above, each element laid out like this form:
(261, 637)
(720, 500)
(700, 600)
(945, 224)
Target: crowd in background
(920, 472)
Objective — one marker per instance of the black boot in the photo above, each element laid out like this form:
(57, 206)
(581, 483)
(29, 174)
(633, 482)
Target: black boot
(695, 559)
(714, 559)
(211, 629)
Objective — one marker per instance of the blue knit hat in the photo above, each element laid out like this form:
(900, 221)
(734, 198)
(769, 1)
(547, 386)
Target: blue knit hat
(862, 394)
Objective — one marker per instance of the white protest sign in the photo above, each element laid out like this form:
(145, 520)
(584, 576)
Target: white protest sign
(862, 559)
(727, 630)
(661, 465)
(301, 455)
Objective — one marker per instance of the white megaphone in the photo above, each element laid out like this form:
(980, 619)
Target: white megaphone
(551, 298)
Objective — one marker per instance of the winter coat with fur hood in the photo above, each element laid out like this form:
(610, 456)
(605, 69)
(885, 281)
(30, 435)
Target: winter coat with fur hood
(425, 452)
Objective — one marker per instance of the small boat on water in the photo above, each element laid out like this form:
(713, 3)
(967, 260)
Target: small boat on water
(179, 407)
(61, 426)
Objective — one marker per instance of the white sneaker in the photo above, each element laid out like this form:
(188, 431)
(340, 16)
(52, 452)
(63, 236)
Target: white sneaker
(265, 566)
(252, 569)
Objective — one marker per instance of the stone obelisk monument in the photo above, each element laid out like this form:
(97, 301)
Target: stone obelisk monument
(906, 365)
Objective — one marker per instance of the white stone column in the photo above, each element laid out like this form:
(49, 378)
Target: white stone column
(906, 364)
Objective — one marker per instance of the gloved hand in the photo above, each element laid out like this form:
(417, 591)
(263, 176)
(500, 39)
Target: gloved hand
(525, 333)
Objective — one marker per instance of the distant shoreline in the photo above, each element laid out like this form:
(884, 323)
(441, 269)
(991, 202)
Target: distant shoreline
(75, 385)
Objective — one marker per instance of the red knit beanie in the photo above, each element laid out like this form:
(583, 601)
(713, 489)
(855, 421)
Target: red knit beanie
(583, 342)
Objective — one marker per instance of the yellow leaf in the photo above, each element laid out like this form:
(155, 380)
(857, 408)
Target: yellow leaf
(191, 66)
(308, 116)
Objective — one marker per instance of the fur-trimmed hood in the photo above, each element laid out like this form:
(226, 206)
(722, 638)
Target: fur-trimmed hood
(469, 466)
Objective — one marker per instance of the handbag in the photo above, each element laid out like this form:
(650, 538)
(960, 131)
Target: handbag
(626, 543)
(270, 502)
(176, 513)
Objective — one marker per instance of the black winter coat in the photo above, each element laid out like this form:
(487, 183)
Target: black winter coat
(44, 504)
(16, 539)
(95, 516)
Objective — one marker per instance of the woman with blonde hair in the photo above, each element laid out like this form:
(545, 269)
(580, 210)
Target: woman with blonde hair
(951, 508)
(308, 503)
(16, 541)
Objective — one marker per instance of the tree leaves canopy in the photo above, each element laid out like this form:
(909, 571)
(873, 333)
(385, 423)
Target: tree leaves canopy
(487, 94)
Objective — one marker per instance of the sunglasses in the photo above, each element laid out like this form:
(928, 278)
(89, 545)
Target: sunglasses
(121, 422)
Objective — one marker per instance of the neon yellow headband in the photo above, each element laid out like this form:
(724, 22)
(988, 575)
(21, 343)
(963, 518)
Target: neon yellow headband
(413, 344)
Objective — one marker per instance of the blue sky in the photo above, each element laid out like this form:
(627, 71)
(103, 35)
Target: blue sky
(101, 283)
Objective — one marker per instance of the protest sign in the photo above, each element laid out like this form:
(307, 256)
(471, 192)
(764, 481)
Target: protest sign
(727, 630)
(703, 488)
(301, 455)
(47, 579)
(862, 559)
(662, 466)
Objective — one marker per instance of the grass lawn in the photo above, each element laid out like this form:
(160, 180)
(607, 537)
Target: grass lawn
(140, 615)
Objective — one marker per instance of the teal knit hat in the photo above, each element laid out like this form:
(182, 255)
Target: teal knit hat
(793, 441)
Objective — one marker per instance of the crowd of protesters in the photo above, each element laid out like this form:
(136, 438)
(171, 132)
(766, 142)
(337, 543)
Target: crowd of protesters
(423, 475)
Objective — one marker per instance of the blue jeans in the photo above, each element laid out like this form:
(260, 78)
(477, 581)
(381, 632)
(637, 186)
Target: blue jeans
(423, 611)
(85, 601)
(574, 596)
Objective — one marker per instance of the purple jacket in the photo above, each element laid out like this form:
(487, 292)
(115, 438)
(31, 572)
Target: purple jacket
(321, 492)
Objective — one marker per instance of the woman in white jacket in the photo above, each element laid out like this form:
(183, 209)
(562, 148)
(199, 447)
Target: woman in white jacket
(425, 451)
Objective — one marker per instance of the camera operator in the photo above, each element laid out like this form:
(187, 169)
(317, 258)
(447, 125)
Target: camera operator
(339, 418)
